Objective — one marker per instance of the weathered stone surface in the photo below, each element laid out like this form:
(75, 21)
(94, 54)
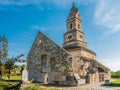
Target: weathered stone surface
(49, 63)
(56, 60)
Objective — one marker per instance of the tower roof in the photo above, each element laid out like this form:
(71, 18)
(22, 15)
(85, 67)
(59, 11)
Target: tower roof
(74, 10)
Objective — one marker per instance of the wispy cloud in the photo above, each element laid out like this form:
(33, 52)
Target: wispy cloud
(39, 3)
(15, 5)
(26, 2)
(37, 27)
(107, 14)
(112, 63)
(19, 2)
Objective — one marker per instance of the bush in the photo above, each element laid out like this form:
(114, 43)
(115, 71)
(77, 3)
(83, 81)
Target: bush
(115, 74)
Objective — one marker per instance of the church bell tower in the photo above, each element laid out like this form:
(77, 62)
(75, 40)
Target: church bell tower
(74, 37)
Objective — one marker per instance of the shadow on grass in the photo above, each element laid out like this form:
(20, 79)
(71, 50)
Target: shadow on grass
(112, 85)
(10, 85)
(12, 80)
(115, 84)
(58, 85)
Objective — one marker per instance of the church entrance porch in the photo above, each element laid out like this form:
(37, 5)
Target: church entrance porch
(101, 74)
(101, 77)
(92, 78)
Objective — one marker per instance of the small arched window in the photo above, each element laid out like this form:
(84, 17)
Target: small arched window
(70, 37)
(43, 59)
(78, 26)
(80, 36)
(71, 26)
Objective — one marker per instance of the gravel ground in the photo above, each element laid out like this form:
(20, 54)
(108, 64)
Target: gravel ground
(96, 86)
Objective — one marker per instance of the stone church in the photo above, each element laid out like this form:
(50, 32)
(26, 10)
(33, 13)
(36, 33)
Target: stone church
(71, 64)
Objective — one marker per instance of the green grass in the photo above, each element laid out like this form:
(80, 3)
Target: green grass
(38, 87)
(4, 85)
(12, 77)
(115, 83)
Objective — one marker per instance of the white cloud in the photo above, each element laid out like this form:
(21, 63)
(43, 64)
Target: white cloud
(107, 14)
(112, 63)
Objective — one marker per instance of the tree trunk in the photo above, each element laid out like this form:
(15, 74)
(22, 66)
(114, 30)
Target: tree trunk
(1, 72)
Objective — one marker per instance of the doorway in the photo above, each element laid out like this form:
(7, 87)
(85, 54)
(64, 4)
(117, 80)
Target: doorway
(46, 78)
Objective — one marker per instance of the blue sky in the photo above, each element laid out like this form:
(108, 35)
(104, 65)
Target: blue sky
(20, 20)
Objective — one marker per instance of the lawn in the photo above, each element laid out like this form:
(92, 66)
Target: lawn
(11, 84)
(116, 82)
(6, 85)
(12, 78)
(39, 87)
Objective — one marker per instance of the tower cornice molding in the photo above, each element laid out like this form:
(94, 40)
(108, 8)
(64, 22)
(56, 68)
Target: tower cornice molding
(73, 31)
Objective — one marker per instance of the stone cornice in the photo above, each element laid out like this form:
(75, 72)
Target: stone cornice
(71, 31)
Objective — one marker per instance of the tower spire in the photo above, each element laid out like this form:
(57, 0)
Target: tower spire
(74, 20)
(74, 37)
(74, 10)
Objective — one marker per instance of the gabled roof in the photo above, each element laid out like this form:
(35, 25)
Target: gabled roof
(53, 42)
(96, 62)
(43, 35)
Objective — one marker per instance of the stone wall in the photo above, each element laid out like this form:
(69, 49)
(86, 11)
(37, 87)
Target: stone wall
(108, 75)
(49, 63)
(58, 61)
(87, 54)
(79, 65)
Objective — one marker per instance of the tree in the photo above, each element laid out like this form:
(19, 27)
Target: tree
(10, 64)
(22, 68)
(3, 52)
(16, 70)
(115, 74)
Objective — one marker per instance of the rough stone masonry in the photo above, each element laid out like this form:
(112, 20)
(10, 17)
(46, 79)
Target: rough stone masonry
(71, 64)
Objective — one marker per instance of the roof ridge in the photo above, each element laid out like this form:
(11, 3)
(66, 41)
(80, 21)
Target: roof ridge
(54, 42)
